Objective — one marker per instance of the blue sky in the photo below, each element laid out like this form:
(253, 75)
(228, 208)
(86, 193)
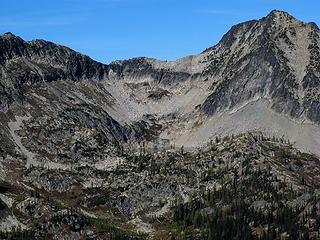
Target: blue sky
(108, 30)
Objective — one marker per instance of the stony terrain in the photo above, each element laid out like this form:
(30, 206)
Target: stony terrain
(144, 190)
(143, 148)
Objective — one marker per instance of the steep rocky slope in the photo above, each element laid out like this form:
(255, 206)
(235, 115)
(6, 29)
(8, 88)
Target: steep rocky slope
(26, 63)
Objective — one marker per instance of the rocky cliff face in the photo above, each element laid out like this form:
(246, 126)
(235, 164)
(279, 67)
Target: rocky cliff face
(272, 58)
(26, 63)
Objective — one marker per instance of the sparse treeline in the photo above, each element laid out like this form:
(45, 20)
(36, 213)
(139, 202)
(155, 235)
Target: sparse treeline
(72, 221)
(252, 203)
(229, 212)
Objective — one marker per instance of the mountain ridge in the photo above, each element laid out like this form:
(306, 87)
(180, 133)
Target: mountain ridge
(254, 61)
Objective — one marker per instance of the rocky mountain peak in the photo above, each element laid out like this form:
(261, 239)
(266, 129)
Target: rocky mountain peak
(258, 32)
(273, 58)
(10, 46)
(9, 39)
(282, 17)
(8, 35)
(29, 62)
(277, 14)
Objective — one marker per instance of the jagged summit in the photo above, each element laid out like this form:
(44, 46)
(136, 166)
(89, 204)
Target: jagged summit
(281, 17)
(279, 14)
(7, 34)
(10, 38)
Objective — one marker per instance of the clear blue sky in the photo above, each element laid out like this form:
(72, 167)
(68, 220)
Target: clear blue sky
(108, 30)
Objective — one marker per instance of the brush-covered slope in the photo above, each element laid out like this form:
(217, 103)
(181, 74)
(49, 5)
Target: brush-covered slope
(239, 187)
